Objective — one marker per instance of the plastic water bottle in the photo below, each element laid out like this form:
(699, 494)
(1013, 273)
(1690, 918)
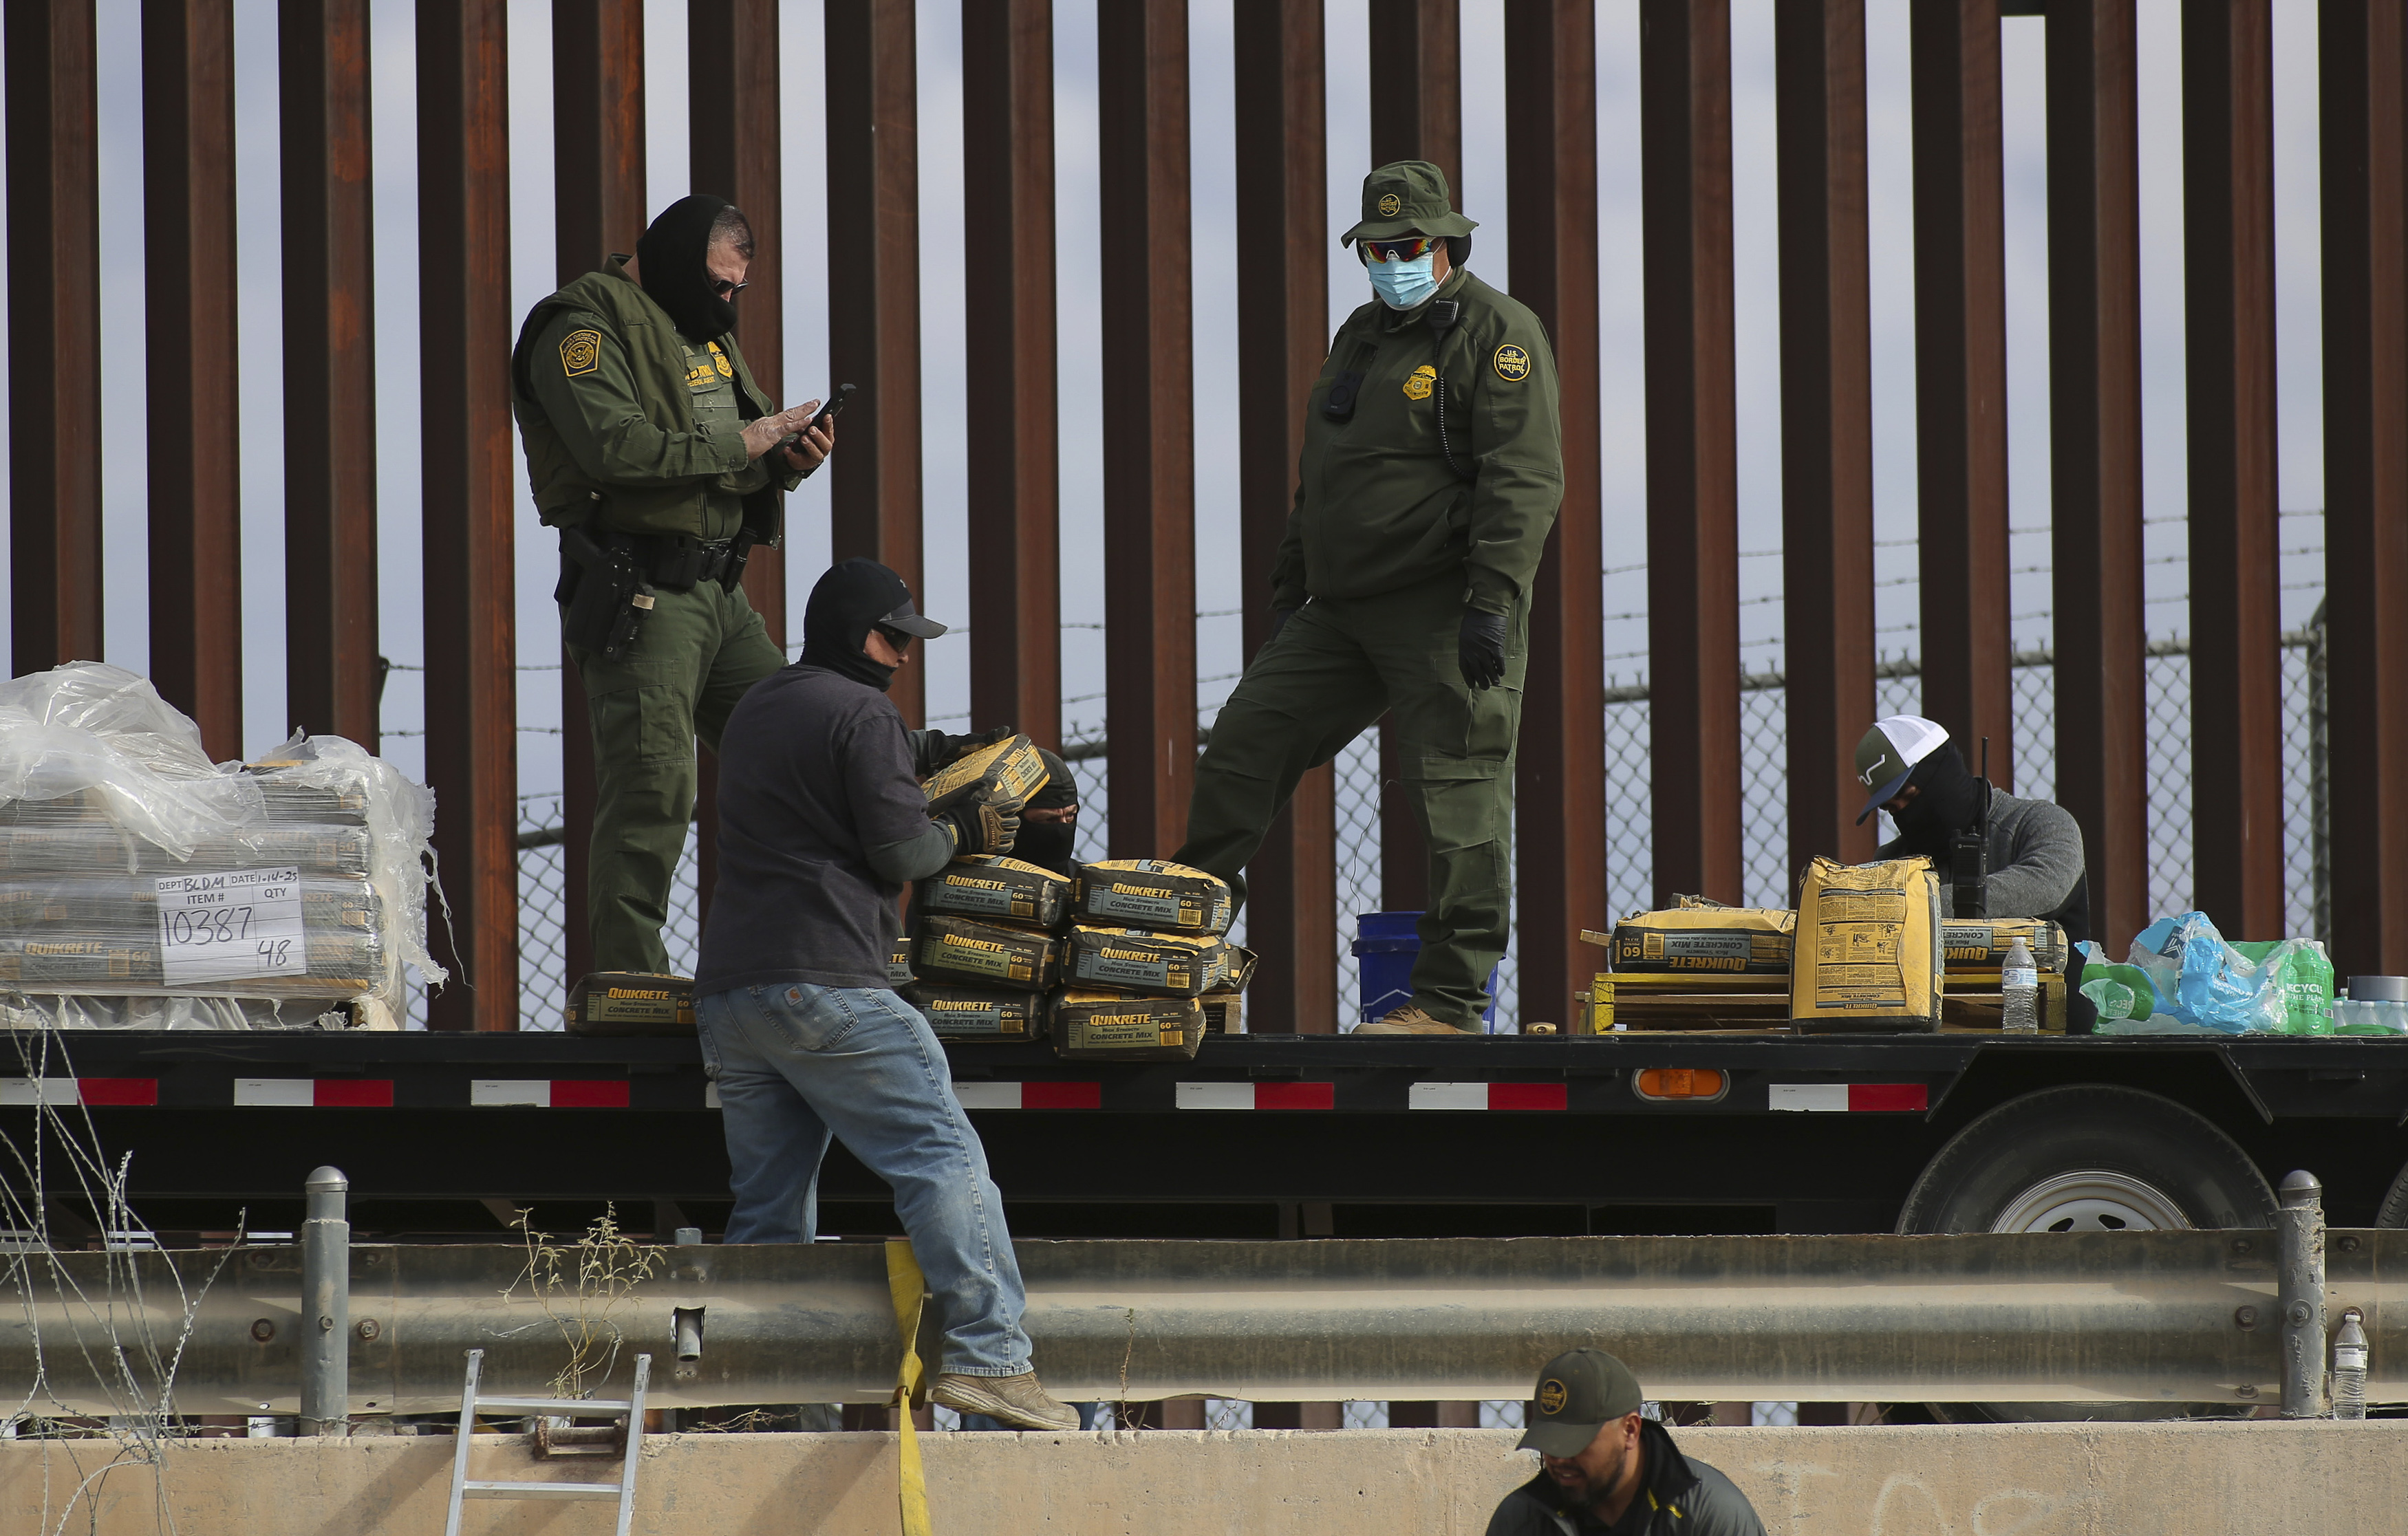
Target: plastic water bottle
(2019, 981)
(2349, 1368)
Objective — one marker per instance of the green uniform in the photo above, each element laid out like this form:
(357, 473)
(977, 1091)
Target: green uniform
(1391, 543)
(630, 428)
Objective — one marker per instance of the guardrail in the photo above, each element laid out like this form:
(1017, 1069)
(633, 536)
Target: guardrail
(2227, 1318)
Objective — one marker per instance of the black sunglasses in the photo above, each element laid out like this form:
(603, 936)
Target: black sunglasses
(895, 637)
(725, 289)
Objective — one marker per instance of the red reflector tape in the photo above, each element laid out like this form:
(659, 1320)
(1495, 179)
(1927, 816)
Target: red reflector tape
(104, 1092)
(589, 1094)
(1296, 1095)
(1526, 1096)
(1061, 1095)
(1889, 1095)
(351, 1092)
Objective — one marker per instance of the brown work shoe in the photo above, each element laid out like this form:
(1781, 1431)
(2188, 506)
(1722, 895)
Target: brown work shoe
(1017, 1401)
(1410, 1019)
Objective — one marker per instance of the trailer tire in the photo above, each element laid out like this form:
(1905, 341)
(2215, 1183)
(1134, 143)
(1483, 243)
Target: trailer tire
(2393, 1213)
(2089, 1156)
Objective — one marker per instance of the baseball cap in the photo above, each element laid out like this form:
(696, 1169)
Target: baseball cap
(1888, 752)
(907, 619)
(1579, 1393)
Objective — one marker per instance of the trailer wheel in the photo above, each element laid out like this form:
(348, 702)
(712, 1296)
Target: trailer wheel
(2088, 1157)
(2393, 1213)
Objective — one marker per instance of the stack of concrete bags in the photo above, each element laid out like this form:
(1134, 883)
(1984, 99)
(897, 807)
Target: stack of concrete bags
(985, 948)
(1143, 954)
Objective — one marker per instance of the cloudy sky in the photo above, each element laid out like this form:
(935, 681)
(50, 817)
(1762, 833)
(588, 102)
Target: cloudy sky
(947, 283)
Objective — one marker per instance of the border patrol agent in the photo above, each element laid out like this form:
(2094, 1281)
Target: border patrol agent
(650, 447)
(1432, 473)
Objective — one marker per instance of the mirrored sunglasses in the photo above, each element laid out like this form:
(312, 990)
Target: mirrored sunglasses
(1409, 250)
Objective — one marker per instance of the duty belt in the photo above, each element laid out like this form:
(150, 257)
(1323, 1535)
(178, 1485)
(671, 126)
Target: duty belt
(678, 563)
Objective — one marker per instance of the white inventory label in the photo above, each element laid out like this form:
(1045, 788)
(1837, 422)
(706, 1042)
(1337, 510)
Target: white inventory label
(221, 927)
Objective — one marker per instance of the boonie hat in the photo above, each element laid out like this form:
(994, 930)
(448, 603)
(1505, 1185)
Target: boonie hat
(1406, 197)
(1580, 1392)
(1888, 755)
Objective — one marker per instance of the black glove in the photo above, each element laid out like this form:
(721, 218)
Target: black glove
(1480, 649)
(981, 828)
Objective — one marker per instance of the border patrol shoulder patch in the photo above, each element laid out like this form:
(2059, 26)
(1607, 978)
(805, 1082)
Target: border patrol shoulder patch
(1512, 364)
(580, 351)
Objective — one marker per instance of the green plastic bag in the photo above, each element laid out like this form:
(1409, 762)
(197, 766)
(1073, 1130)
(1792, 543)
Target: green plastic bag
(2300, 969)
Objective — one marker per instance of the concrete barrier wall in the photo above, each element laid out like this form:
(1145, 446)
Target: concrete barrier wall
(2260, 1478)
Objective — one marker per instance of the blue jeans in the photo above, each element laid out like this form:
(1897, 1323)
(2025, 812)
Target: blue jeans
(796, 1064)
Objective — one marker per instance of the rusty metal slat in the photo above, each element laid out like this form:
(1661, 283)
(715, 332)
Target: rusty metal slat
(873, 281)
(1417, 86)
(2363, 81)
(330, 503)
(464, 220)
(735, 153)
(2236, 666)
(195, 379)
(1559, 771)
(732, 59)
(1960, 377)
(597, 148)
(1015, 498)
(1827, 440)
(1416, 56)
(1148, 426)
(1283, 335)
(53, 161)
(1692, 449)
(2095, 437)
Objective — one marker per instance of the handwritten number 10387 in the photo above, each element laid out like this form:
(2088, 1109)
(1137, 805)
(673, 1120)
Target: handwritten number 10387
(209, 925)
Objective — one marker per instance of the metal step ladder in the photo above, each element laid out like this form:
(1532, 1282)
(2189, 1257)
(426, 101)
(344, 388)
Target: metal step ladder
(631, 1412)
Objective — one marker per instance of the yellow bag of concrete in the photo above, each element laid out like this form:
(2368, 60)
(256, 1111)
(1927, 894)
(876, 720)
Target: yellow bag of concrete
(1151, 893)
(1981, 944)
(1006, 773)
(1134, 961)
(1115, 1026)
(1705, 936)
(1868, 953)
(960, 951)
(964, 1012)
(990, 885)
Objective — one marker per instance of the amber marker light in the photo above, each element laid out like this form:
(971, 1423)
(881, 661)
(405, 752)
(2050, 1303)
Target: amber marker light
(1679, 1083)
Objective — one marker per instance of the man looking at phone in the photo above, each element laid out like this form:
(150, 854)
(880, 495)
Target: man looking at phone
(648, 441)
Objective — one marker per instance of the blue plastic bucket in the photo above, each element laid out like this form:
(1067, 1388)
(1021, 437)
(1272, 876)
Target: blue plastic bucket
(1386, 945)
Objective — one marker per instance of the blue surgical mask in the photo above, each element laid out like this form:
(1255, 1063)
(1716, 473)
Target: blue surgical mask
(1402, 285)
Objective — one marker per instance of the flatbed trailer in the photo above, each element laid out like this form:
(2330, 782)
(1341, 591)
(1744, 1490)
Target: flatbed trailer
(1261, 1135)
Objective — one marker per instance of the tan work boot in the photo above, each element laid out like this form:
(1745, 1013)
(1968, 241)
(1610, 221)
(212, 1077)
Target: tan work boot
(1410, 1019)
(1017, 1401)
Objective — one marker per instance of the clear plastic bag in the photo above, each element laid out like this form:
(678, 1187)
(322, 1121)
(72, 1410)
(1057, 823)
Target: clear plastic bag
(2201, 980)
(107, 800)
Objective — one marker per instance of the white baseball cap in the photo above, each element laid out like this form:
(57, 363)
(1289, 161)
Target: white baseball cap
(1888, 752)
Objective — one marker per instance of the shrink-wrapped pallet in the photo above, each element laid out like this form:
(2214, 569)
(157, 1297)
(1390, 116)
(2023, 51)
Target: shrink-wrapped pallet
(143, 886)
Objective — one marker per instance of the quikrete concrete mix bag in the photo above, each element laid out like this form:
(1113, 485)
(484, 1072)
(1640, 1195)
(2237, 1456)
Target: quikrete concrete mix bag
(1868, 954)
(1006, 773)
(1705, 937)
(992, 886)
(962, 1012)
(964, 952)
(1117, 1027)
(631, 1003)
(1981, 944)
(1149, 892)
(1169, 964)
(899, 964)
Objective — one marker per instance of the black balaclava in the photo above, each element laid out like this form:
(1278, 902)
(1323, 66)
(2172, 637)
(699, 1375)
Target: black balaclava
(1948, 801)
(1051, 845)
(845, 603)
(670, 260)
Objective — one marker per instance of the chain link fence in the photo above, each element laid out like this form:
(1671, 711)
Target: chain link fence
(1629, 873)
